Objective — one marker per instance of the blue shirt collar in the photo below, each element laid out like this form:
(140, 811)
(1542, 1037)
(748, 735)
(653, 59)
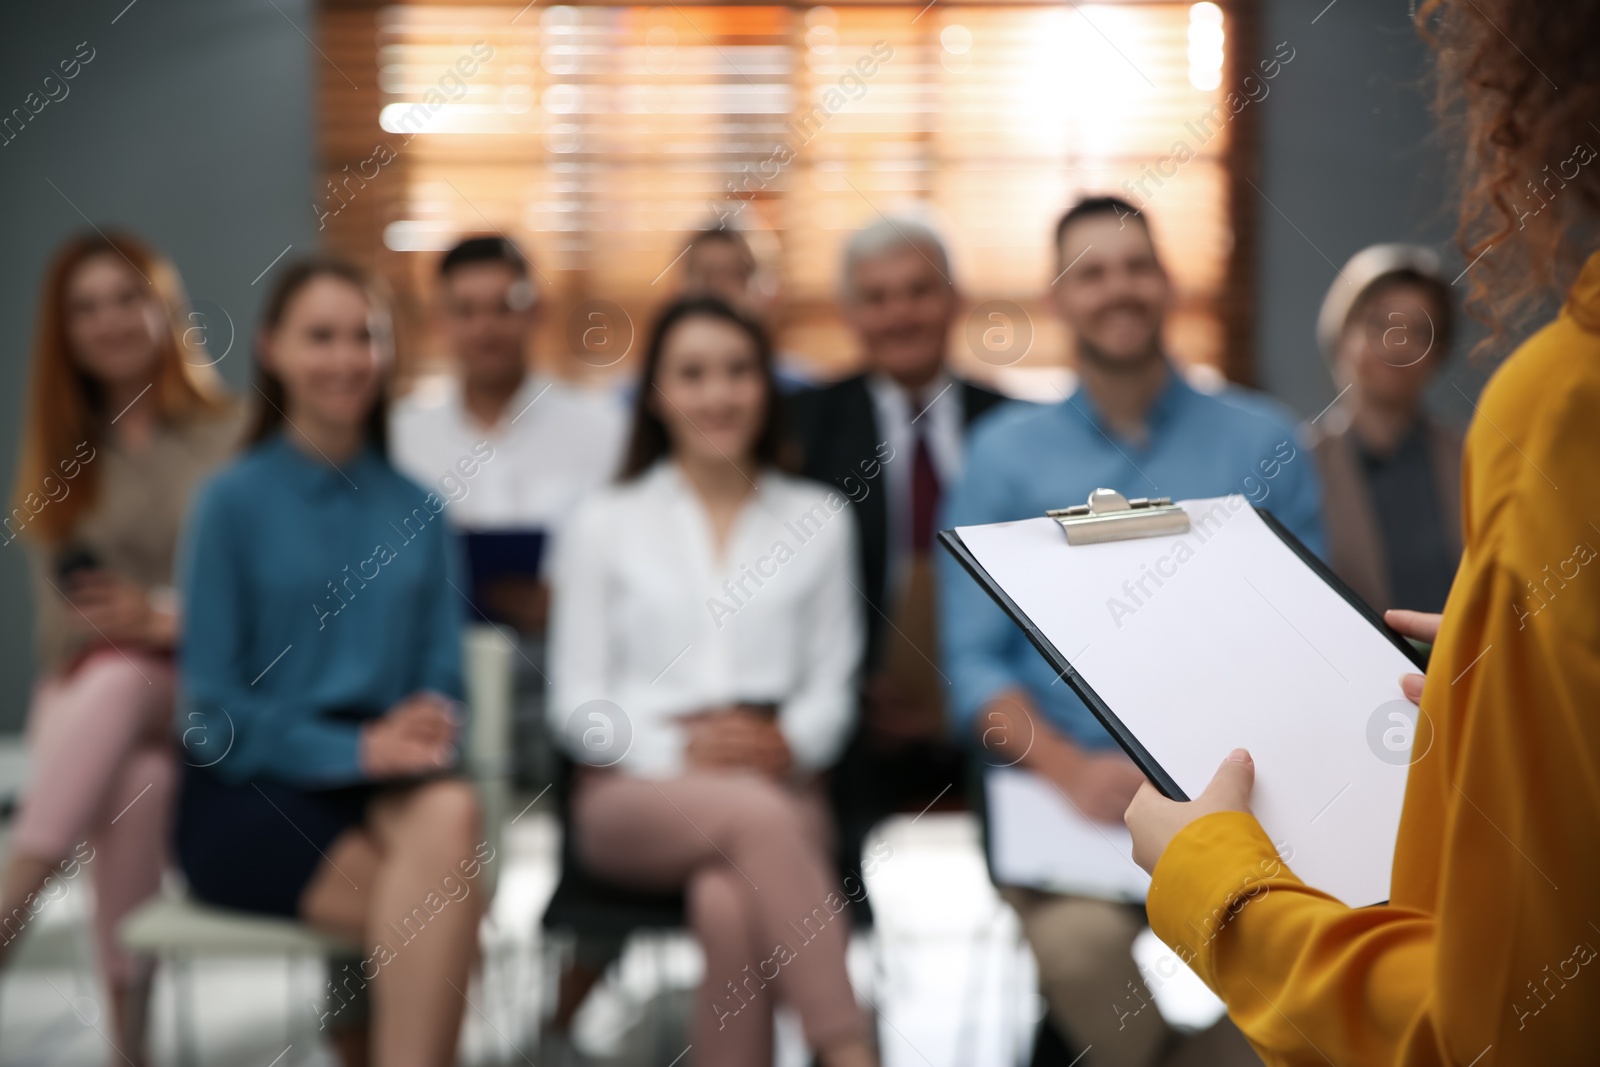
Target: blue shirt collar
(317, 477)
(1174, 395)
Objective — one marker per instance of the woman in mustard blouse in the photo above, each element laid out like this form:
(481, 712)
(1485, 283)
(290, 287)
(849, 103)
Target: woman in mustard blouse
(1486, 952)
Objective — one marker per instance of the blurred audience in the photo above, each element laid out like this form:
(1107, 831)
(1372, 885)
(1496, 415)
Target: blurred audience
(720, 261)
(1391, 473)
(704, 645)
(321, 674)
(727, 640)
(509, 449)
(1136, 426)
(125, 415)
(890, 439)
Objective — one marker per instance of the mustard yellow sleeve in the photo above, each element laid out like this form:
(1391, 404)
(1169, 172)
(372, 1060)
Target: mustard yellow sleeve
(1307, 979)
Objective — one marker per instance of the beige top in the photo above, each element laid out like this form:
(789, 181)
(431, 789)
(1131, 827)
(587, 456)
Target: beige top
(133, 526)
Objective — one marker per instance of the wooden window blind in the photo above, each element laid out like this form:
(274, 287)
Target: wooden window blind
(600, 135)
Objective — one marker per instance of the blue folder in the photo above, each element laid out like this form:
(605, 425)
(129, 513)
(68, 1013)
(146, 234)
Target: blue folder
(496, 554)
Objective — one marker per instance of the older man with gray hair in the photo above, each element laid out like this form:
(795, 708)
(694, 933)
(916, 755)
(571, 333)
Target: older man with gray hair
(890, 438)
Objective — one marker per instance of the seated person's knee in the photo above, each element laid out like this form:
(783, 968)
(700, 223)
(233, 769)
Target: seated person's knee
(450, 808)
(713, 900)
(763, 807)
(109, 670)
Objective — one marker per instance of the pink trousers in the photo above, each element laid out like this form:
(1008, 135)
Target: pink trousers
(101, 793)
(763, 901)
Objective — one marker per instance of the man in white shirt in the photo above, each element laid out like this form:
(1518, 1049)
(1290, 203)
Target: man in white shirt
(508, 449)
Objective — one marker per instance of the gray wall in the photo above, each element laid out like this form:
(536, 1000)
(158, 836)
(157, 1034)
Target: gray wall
(191, 126)
(1349, 158)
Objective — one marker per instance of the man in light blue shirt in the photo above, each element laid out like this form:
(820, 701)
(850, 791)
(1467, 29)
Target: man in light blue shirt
(1135, 425)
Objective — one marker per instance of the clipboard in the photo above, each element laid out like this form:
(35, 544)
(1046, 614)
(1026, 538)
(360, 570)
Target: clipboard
(1110, 518)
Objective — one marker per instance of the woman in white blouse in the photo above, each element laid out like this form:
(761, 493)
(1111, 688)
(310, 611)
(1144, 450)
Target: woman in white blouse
(705, 638)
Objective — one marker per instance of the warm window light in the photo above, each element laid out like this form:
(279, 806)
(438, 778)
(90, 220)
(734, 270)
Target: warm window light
(563, 98)
(822, 39)
(822, 16)
(517, 99)
(1205, 45)
(557, 138)
(956, 38)
(415, 235)
(1205, 39)
(411, 117)
(956, 44)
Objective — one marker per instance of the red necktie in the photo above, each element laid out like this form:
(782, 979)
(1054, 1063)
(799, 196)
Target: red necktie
(924, 495)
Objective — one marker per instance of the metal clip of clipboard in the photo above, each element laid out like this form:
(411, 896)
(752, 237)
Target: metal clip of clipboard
(1110, 516)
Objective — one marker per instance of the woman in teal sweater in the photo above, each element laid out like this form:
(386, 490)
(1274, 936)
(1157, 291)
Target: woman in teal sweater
(320, 676)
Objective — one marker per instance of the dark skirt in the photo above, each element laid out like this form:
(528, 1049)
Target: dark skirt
(254, 847)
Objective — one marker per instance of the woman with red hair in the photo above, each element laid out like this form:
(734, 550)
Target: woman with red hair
(124, 417)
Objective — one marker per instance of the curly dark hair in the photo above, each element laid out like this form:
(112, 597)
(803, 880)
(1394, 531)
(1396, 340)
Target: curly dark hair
(1520, 83)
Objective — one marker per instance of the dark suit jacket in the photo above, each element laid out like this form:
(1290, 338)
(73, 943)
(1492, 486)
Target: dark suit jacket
(836, 429)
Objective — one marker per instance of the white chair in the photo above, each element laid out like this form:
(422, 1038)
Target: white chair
(176, 929)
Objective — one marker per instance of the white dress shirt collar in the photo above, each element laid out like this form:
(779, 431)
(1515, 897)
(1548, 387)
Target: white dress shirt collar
(553, 444)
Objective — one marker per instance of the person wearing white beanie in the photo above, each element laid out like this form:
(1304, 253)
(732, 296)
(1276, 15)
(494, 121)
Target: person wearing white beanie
(1391, 471)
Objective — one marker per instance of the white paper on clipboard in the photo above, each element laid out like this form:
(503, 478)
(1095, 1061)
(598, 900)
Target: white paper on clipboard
(1220, 638)
(1037, 840)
